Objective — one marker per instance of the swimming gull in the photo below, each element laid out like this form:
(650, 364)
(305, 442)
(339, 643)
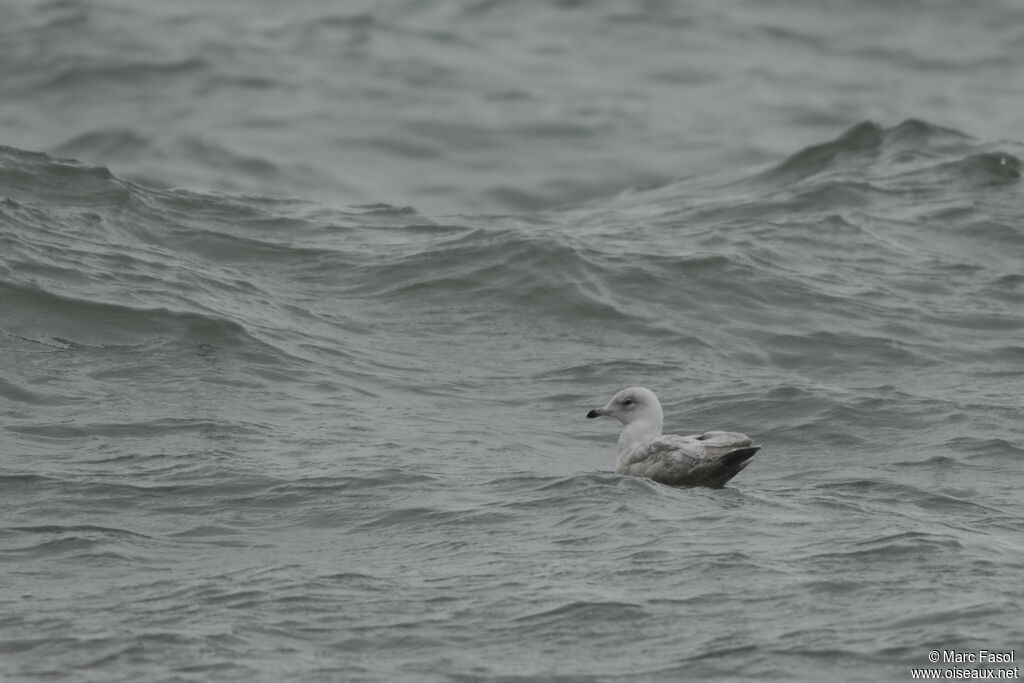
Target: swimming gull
(708, 459)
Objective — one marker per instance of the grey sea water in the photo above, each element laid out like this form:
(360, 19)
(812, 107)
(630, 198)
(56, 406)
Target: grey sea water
(302, 307)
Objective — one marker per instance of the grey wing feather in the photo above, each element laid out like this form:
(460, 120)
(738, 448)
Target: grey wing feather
(709, 459)
(720, 443)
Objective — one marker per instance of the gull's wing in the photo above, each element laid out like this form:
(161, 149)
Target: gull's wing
(720, 443)
(708, 459)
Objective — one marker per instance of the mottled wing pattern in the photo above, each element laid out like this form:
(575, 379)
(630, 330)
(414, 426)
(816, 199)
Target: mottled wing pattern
(708, 459)
(664, 458)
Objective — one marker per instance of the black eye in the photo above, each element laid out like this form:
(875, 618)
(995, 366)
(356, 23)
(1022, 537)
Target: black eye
(628, 402)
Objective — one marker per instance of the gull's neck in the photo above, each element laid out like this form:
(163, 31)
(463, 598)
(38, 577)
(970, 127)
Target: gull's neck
(644, 427)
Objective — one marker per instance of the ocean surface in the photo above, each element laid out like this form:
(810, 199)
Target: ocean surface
(302, 306)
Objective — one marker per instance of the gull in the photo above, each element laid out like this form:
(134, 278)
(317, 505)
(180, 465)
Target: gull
(708, 459)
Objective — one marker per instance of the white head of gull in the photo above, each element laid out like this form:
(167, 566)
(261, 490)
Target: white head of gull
(708, 459)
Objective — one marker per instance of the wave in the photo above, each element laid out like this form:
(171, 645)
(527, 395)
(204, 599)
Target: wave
(871, 235)
(913, 149)
(72, 322)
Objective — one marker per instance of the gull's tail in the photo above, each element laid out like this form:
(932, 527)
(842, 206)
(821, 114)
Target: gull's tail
(739, 458)
(716, 472)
